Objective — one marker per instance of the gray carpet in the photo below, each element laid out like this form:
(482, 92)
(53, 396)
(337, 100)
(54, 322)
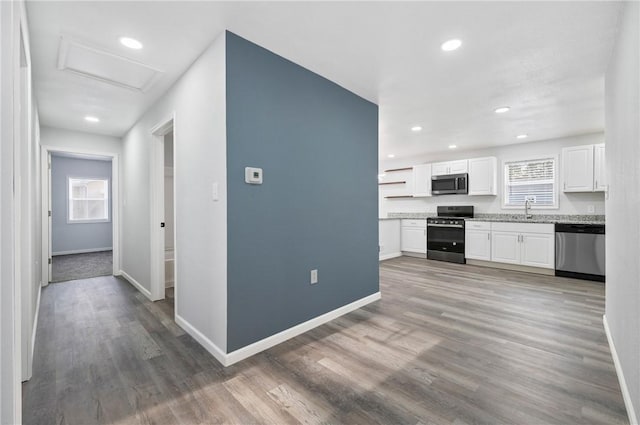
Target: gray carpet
(81, 266)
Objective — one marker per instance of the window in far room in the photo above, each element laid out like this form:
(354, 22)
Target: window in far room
(88, 200)
(530, 179)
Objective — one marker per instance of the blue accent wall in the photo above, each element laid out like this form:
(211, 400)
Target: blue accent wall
(318, 206)
(67, 237)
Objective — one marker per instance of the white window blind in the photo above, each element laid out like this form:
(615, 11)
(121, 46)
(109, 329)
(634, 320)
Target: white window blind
(532, 179)
(88, 200)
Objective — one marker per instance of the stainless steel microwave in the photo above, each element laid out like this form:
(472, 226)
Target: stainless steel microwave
(450, 184)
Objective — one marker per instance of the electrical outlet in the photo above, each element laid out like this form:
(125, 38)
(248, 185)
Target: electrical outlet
(591, 209)
(314, 276)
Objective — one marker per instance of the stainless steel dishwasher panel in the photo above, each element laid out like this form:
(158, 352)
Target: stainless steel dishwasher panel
(580, 253)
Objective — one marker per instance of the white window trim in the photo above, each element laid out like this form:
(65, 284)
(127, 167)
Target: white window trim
(108, 219)
(556, 203)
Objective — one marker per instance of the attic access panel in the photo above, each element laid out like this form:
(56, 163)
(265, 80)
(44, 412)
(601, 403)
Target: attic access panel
(104, 66)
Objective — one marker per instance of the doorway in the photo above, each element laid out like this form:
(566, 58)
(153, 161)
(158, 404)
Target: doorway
(164, 282)
(81, 217)
(169, 234)
(80, 214)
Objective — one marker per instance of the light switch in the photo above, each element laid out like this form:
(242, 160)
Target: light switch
(214, 191)
(253, 175)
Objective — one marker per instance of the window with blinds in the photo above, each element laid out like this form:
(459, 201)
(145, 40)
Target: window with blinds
(88, 200)
(534, 180)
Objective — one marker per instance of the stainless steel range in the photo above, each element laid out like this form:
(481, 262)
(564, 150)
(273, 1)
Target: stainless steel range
(445, 234)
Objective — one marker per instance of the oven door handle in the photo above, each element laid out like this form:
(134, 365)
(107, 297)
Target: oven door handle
(456, 226)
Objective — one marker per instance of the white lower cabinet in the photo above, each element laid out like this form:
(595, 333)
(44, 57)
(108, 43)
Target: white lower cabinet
(527, 244)
(538, 250)
(477, 240)
(413, 236)
(505, 247)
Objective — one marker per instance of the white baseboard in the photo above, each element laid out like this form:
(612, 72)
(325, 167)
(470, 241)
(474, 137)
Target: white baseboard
(633, 420)
(264, 344)
(81, 251)
(213, 349)
(35, 324)
(391, 255)
(136, 284)
(256, 347)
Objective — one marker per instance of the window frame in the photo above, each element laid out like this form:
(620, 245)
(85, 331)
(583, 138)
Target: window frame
(108, 199)
(556, 203)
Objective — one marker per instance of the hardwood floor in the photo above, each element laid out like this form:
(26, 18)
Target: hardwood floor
(446, 344)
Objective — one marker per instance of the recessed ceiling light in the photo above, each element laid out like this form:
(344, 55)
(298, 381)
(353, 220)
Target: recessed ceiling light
(521, 136)
(91, 119)
(416, 128)
(131, 43)
(391, 155)
(452, 146)
(450, 45)
(502, 109)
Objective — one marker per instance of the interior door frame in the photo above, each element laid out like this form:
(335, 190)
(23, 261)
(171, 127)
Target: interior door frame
(157, 232)
(46, 152)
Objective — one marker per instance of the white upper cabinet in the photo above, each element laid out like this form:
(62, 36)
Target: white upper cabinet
(439, 168)
(577, 165)
(422, 180)
(459, 167)
(577, 169)
(599, 176)
(483, 176)
(450, 167)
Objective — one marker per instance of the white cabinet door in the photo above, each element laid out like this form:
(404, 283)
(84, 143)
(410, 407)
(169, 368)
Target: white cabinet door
(440, 169)
(505, 247)
(577, 169)
(459, 167)
(483, 176)
(422, 180)
(414, 239)
(538, 250)
(477, 244)
(599, 176)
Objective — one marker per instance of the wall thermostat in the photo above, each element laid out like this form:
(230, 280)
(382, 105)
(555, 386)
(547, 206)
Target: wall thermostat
(253, 175)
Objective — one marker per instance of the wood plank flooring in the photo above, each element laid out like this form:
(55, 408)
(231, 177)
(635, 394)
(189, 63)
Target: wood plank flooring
(447, 344)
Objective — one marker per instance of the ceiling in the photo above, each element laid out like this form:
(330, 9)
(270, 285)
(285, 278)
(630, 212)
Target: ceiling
(546, 60)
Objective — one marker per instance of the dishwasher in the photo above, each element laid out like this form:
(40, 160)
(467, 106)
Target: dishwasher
(580, 251)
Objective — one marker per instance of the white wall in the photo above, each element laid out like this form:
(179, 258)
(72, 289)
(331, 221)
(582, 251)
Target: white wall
(622, 116)
(198, 101)
(569, 203)
(19, 276)
(78, 141)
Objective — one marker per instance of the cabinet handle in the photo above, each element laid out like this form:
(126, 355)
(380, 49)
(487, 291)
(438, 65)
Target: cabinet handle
(596, 184)
(425, 232)
(488, 236)
(565, 186)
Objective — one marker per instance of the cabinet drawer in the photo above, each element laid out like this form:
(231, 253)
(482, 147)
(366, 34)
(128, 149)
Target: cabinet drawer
(544, 228)
(422, 223)
(478, 225)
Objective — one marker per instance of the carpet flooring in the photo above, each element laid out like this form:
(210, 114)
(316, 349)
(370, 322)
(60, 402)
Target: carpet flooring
(82, 266)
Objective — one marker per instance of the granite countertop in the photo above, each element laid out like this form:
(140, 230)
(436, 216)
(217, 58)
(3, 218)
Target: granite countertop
(514, 218)
(541, 218)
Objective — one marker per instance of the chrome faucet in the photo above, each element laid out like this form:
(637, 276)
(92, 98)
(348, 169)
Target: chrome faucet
(527, 207)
